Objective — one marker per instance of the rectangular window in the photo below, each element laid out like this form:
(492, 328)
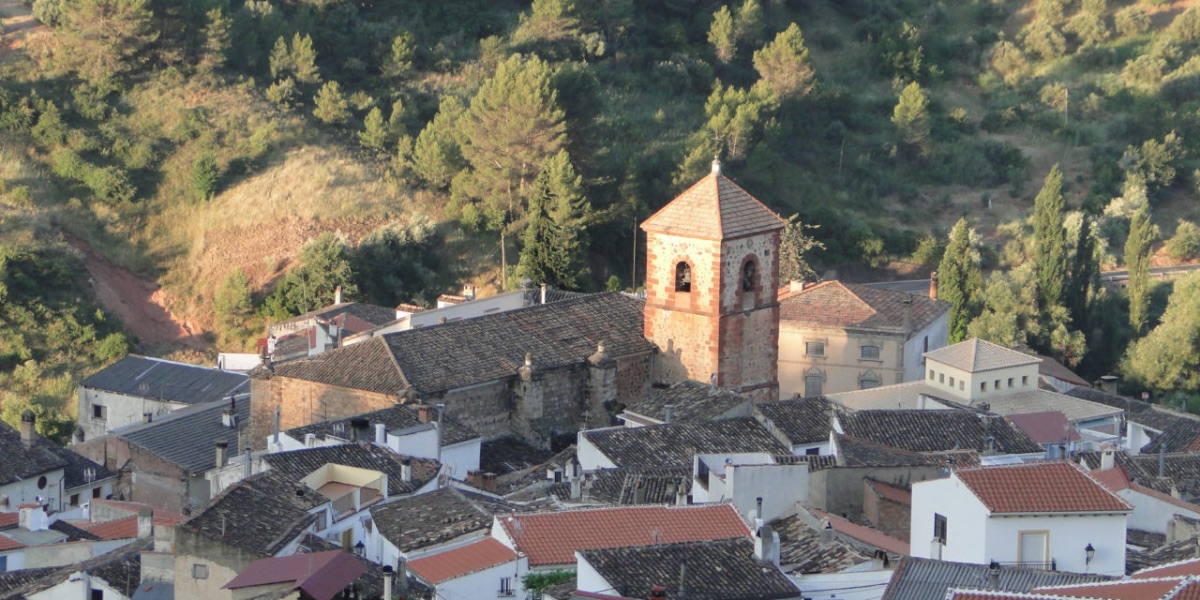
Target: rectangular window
(941, 378)
(868, 382)
(95, 493)
(3, 564)
(983, 386)
(99, 411)
(1010, 382)
(812, 451)
(506, 586)
(1033, 547)
(962, 385)
(199, 571)
(931, 374)
(939, 528)
(74, 499)
(869, 352)
(1024, 380)
(996, 385)
(813, 385)
(951, 382)
(321, 521)
(814, 348)
(97, 595)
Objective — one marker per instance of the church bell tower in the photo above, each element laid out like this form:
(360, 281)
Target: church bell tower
(712, 280)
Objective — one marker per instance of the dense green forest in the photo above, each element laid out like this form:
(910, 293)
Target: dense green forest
(251, 155)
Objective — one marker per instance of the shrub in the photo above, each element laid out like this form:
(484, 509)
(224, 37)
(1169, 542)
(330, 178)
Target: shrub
(1185, 244)
(1132, 20)
(205, 174)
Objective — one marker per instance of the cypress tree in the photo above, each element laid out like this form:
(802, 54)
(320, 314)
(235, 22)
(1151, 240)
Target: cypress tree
(959, 281)
(1050, 239)
(1137, 260)
(1084, 270)
(556, 241)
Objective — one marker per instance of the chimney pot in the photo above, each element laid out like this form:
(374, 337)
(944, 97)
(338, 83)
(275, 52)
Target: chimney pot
(387, 581)
(489, 482)
(933, 285)
(337, 295)
(310, 440)
(796, 285)
(222, 453)
(145, 522)
(424, 413)
(543, 293)
(28, 428)
(668, 413)
(406, 469)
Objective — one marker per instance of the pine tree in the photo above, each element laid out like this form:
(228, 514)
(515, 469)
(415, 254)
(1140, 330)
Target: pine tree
(911, 116)
(959, 281)
(437, 153)
(232, 303)
(374, 135)
(281, 59)
(304, 60)
(723, 35)
(331, 106)
(556, 241)
(217, 39)
(750, 23)
(400, 61)
(1137, 261)
(1050, 239)
(205, 174)
(783, 64)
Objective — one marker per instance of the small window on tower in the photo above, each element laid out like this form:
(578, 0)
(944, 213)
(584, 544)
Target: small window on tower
(749, 276)
(683, 277)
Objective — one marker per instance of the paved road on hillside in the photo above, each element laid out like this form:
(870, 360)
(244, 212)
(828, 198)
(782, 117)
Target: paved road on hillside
(921, 286)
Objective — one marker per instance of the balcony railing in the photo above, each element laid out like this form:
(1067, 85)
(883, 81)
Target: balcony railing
(1050, 565)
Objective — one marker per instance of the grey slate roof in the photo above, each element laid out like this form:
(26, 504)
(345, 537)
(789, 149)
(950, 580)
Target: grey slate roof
(976, 355)
(75, 471)
(675, 444)
(437, 517)
(938, 430)
(716, 570)
(509, 454)
(298, 464)
(1182, 470)
(924, 579)
(187, 437)
(165, 380)
(401, 416)
(21, 462)
(119, 568)
(486, 348)
(800, 420)
(857, 452)
(692, 401)
(801, 551)
(1144, 413)
(260, 514)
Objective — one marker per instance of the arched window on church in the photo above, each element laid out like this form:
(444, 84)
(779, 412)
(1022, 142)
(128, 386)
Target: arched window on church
(749, 284)
(683, 277)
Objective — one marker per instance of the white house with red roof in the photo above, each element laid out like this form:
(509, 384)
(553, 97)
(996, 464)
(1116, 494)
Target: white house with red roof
(1043, 515)
(1153, 511)
(482, 569)
(550, 539)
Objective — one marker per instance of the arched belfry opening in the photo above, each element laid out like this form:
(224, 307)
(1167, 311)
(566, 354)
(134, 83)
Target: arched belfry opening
(683, 277)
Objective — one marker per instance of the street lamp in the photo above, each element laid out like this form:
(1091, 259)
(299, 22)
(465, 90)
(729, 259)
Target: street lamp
(360, 548)
(1090, 552)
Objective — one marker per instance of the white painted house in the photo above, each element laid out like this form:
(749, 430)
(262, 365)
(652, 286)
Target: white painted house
(1042, 515)
(480, 570)
(758, 484)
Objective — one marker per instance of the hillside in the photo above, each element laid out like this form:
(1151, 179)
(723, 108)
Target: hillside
(410, 146)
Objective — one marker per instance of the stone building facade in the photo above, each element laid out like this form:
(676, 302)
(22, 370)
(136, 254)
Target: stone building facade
(712, 288)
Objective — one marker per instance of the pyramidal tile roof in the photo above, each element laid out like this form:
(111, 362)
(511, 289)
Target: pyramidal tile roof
(1058, 487)
(975, 355)
(715, 208)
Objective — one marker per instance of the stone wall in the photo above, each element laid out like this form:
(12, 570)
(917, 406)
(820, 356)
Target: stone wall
(684, 325)
(304, 402)
(218, 563)
(484, 408)
(891, 517)
(838, 490)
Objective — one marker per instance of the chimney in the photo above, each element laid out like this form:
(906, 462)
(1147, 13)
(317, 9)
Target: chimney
(475, 478)
(712, 382)
(765, 546)
(577, 488)
(380, 434)
(310, 440)
(424, 413)
(222, 454)
(359, 428)
(543, 293)
(658, 592)
(796, 285)
(402, 577)
(933, 285)
(668, 413)
(229, 416)
(147, 417)
(994, 576)
(826, 532)
(387, 581)
(908, 314)
(337, 295)
(277, 409)
(145, 522)
(489, 482)
(406, 469)
(468, 292)
(249, 466)
(1108, 383)
(1107, 458)
(28, 428)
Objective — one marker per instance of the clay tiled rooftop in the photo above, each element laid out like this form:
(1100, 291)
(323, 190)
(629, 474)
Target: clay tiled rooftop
(1145, 589)
(7, 543)
(321, 576)
(716, 570)
(1181, 568)
(863, 534)
(937, 431)
(691, 401)
(553, 538)
(461, 561)
(675, 443)
(800, 420)
(976, 355)
(715, 208)
(1058, 487)
(837, 304)
(126, 528)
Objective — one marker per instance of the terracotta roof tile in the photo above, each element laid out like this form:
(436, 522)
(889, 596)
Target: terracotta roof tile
(7, 543)
(1057, 487)
(1175, 569)
(692, 213)
(890, 492)
(862, 533)
(957, 594)
(321, 575)
(975, 355)
(461, 561)
(553, 538)
(1146, 589)
(9, 519)
(838, 304)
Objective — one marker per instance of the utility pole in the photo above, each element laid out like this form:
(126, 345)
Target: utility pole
(633, 259)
